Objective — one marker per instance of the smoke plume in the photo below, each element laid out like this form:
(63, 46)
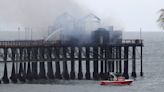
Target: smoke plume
(35, 13)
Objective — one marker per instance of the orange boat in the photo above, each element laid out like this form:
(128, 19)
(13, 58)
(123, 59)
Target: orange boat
(117, 81)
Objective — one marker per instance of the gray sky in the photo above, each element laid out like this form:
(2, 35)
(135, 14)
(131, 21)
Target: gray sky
(129, 15)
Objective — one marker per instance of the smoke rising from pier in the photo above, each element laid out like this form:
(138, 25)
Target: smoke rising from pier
(35, 13)
(39, 15)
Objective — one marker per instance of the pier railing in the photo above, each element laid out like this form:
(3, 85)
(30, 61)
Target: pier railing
(132, 41)
(33, 43)
(26, 43)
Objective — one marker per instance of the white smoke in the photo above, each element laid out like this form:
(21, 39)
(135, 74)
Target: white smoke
(35, 13)
(39, 15)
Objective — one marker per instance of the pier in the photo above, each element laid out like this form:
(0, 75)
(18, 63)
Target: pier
(50, 60)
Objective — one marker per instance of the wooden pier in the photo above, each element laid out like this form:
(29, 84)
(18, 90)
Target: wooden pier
(35, 60)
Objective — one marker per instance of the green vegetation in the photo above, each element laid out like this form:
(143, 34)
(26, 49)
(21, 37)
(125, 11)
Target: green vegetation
(161, 19)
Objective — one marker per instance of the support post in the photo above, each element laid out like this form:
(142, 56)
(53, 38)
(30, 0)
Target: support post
(117, 60)
(24, 59)
(112, 57)
(58, 72)
(65, 68)
(42, 73)
(80, 74)
(134, 62)
(5, 75)
(106, 74)
(35, 64)
(101, 50)
(13, 76)
(29, 72)
(95, 63)
(141, 73)
(87, 75)
(50, 72)
(109, 61)
(125, 74)
(120, 61)
(21, 76)
(72, 73)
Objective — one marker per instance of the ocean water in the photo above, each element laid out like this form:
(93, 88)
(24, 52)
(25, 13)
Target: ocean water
(153, 68)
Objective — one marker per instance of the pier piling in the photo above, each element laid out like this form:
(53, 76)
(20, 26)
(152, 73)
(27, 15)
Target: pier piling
(126, 65)
(72, 73)
(80, 74)
(5, 78)
(35, 63)
(87, 74)
(134, 62)
(120, 57)
(57, 62)
(141, 73)
(65, 68)
(29, 72)
(42, 73)
(50, 72)
(48, 60)
(13, 76)
(95, 63)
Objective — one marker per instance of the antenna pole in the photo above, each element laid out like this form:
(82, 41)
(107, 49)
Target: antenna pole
(31, 33)
(18, 33)
(140, 33)
(25, 29)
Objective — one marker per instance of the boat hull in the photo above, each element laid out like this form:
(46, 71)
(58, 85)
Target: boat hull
(125, 82)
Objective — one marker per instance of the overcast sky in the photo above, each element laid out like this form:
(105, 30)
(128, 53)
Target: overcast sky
(130, 15)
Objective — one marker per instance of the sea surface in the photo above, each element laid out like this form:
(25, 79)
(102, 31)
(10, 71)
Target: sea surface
(153, 68)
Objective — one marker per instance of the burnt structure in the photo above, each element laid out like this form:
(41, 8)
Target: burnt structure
(35, 60)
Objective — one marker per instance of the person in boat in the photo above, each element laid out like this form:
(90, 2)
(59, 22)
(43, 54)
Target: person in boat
(113, 77)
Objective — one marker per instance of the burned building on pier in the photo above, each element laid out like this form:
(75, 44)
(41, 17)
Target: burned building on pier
(104, 36)
(85, 30)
